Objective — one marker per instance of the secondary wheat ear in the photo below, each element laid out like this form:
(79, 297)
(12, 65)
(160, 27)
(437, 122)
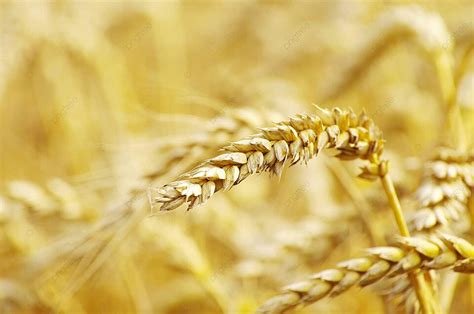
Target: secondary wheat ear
(410, 255)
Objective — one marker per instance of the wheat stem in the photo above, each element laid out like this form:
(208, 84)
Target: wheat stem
(389, 189)
(422, 292)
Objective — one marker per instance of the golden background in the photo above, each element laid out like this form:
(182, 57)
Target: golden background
(96, 95)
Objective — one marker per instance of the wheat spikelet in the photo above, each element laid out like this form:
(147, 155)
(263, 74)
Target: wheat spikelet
(298, 139)
(411, 254)
(445, 192)
(310, 241)
(427, 29)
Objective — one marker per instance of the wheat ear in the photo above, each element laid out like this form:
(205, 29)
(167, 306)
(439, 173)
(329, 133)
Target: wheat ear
(57, 198)
(298, 139)
(425, 28)
(445, 192)
(410, 255)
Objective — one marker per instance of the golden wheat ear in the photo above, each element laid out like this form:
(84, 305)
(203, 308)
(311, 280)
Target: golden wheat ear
(288, 142)
(444, 194)
(411, 254)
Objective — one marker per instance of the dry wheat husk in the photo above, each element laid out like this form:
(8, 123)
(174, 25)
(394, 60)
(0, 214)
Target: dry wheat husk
(410, 254)
(288, 142)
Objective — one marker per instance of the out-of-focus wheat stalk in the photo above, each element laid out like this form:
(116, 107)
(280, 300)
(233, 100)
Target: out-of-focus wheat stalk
(429, 31)
(425, 28)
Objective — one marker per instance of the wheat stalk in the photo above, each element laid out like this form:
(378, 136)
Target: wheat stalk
(298, 139)
(410, 255)
(423, 292)
(430, 32)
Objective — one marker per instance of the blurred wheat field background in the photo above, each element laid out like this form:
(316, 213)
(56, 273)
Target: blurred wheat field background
(102, 103)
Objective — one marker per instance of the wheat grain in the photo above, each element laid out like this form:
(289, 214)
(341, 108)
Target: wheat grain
(298, 139)
(411, 254)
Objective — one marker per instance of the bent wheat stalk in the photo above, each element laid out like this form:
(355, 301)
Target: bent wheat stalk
(298, 139)
(410, 255)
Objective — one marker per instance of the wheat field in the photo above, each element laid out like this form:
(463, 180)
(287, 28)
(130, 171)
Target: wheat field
(201, 157)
